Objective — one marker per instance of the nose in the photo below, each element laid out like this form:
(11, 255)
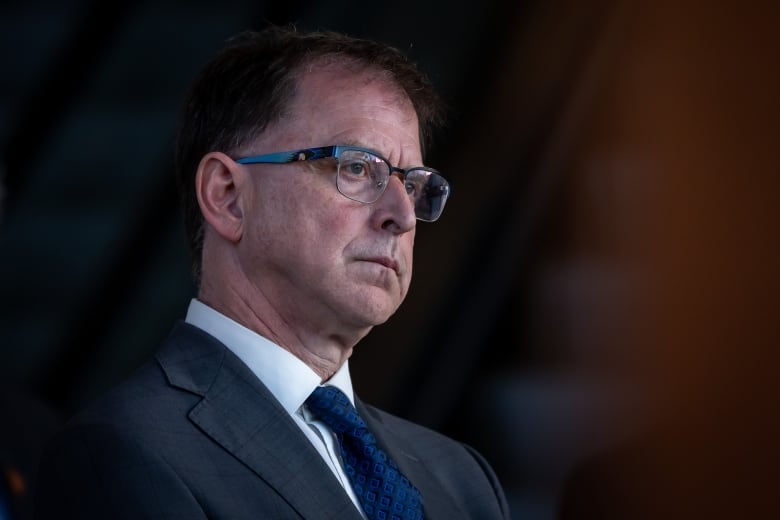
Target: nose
(394, 210)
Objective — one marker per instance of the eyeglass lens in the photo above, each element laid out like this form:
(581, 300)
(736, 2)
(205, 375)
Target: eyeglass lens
(363, 176)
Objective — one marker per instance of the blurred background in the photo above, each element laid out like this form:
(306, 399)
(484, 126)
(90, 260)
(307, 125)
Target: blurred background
(596, 311)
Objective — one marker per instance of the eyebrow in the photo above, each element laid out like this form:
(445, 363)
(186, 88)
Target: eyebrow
(355, 142)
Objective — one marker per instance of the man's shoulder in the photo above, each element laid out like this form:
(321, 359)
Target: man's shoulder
(141, 397)
(146, 395)
(404, 426)
(416, 437)
(450, 466)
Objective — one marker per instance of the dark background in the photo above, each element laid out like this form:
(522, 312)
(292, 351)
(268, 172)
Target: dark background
(596, 311)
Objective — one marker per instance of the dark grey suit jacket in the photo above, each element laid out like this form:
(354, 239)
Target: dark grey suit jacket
(194, 434)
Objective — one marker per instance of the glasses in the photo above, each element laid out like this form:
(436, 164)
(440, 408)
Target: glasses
(362, 175)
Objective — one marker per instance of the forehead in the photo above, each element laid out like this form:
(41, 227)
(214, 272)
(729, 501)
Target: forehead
(335, 73)
(339, 85)
(349, 102)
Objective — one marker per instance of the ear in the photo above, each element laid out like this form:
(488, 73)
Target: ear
(218, 184)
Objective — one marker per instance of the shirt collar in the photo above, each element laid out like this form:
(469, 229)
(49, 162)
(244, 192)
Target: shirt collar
(288, 378)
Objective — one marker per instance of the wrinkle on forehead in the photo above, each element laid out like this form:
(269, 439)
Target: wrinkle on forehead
(362, 73)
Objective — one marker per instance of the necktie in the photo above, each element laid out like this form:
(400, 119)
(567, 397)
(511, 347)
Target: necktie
(383, 491)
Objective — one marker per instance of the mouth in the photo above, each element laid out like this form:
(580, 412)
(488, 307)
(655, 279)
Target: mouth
(383, 261)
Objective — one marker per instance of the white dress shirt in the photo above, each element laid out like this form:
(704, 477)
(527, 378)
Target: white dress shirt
(288, 378)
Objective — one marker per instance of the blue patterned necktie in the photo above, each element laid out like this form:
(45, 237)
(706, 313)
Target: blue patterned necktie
(383, 491)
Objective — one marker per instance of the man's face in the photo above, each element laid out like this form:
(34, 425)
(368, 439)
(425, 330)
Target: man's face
(324, 261)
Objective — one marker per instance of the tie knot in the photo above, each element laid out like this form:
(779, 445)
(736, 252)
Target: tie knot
(334, 409)
(328, 396)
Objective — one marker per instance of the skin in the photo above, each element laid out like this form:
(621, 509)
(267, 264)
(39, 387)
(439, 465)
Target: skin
(285, 254)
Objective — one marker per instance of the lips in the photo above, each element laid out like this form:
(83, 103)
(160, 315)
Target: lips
(385, 261)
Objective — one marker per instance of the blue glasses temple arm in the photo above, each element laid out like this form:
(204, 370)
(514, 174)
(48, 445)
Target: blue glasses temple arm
(307, 154)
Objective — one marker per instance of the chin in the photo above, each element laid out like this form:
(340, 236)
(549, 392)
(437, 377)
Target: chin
(373, 312)
(372, 319)
(367, 304)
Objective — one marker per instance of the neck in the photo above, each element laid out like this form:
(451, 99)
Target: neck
(323, 350)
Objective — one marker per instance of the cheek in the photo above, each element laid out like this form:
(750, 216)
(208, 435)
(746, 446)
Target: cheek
(291, 205)
(307, 219)
(326, 223)
(331, 230)
(277, 220)
(407, 247)
(406, 250)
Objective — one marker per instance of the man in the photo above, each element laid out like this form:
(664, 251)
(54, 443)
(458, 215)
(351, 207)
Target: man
(298, 157)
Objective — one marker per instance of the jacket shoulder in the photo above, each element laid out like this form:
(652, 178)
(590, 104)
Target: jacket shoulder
(456, 470)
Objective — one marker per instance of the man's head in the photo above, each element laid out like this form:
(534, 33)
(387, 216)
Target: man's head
(248, 86)
(294, 242)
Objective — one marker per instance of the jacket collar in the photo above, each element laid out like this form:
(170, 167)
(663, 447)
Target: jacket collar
(239, 413)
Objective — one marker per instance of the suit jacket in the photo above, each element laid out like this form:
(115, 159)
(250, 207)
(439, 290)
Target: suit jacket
(193, 434)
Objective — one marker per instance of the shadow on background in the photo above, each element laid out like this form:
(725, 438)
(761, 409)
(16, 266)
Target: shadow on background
(596, 311)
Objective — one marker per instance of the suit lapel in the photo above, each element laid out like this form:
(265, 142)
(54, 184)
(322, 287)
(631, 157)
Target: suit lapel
(437, 503)
(238, 412)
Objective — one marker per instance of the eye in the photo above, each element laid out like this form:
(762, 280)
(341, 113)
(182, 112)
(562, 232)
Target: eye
(355, 168)
(415, 184)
